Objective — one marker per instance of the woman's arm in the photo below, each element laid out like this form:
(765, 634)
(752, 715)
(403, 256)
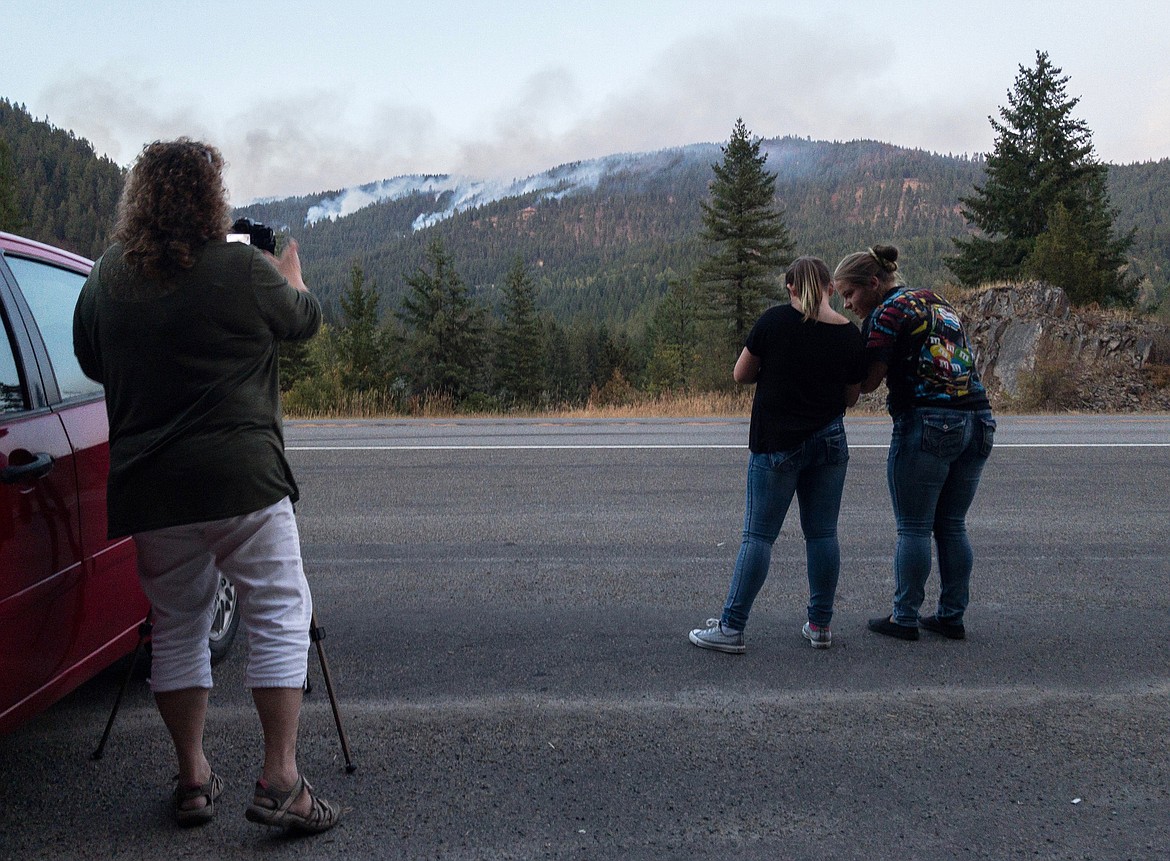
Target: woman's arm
(874, 377)
(747, 367)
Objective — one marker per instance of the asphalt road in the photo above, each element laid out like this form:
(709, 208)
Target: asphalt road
(506, 606)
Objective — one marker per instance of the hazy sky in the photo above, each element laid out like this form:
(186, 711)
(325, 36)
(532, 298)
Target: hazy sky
(313, 96)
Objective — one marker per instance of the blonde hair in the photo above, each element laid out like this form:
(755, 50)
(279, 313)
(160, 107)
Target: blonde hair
(880, 261)
(808, 276)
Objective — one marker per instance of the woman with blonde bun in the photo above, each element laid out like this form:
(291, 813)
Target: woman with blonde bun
(942, 436)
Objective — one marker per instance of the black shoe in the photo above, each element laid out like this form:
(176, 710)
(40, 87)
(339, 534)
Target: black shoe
(886, 625)
(950, 630)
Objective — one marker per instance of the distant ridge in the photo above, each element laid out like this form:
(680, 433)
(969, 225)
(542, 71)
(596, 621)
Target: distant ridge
(604, 237)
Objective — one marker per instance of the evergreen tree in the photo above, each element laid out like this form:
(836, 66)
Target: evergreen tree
(673, 340)
(748, 233)
(559, 369)
(1063, 256)
(362, 346)
(9, 207)
(444, 328)
(1043, 170)
(293, 359)
(519, 359)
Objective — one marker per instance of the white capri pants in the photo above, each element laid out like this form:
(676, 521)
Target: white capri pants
(260, 553)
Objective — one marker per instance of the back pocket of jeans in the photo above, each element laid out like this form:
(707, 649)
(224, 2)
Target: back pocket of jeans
(941, 437)
(836, 448)
(987, 428)
(784, 461)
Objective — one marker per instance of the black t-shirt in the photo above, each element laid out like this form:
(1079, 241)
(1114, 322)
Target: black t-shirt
(805, 368)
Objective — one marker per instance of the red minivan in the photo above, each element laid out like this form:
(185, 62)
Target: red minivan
(70, 603)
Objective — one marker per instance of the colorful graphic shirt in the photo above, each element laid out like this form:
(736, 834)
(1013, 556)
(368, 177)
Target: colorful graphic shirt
(920, 338)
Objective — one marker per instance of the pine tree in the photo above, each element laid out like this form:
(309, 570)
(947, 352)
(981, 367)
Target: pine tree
(559, 364)
(9, 207)
(1062, 256)
(519, 360)
(444, 328)
(293, 358)
(1043, 168)
(362, 346)
(748, 232)
(673, 340)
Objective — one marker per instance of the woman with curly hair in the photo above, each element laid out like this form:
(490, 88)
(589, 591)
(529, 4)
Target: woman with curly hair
(182, 327)
(173, 203)
(943, 433)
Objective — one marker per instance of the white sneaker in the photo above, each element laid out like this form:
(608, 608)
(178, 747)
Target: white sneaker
(716, 637)
(818, 636)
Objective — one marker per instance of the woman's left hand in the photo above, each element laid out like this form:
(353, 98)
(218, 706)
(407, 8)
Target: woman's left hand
(288, 264)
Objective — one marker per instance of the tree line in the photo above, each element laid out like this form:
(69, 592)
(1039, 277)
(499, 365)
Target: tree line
(53, 186)
(1043, 212)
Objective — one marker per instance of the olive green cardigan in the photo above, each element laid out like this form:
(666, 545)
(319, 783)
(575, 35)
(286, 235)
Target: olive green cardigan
(192, 391)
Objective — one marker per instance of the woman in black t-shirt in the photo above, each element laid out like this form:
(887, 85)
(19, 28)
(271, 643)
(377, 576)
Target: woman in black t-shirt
(806, 362)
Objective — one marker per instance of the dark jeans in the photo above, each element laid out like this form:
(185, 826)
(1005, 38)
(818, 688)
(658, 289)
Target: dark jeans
(815, 473)
(936, 459)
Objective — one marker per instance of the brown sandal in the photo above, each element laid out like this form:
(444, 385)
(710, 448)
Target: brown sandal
(187, 816)
(322, 814)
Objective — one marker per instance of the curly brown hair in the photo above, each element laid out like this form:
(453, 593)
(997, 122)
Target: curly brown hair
(173, 202)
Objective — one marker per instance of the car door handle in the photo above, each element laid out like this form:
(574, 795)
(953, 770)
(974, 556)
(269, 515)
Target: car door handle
(40, 466)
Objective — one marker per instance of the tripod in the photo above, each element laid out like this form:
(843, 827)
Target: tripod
(144, 629)
(316, 635)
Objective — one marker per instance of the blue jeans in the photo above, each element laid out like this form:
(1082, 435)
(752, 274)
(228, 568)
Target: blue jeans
(815, 473)
(936, 458)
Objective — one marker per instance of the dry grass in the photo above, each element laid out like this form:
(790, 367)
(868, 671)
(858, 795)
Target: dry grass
(735, 404)
(1052, 385)
(1158, 376)
(668, 405)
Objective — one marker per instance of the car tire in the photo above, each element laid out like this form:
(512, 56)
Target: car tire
(225, 622)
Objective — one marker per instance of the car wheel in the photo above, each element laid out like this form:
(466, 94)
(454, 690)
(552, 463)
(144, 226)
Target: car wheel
(225, 622)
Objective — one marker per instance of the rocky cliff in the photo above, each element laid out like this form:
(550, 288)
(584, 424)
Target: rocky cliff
(1036, 352)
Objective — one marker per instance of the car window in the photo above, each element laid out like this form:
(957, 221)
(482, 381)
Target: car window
(12, 398)
(51, 293)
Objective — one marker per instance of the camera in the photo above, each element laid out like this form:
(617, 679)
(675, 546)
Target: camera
(254, 233)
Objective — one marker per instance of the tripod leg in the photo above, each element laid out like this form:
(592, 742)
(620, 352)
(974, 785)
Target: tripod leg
(316, 634)
(143, 632)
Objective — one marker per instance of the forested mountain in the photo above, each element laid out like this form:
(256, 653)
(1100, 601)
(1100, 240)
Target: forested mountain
(65, 194)
(603, 238)
(1141, 195)
(608, 248)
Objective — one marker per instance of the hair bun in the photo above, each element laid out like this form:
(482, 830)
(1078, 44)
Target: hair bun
(887, 257)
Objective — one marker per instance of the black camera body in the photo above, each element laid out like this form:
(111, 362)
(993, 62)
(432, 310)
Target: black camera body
(260, 235)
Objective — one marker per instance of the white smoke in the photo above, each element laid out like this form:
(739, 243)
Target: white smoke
(834, 75)
(462, 193)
